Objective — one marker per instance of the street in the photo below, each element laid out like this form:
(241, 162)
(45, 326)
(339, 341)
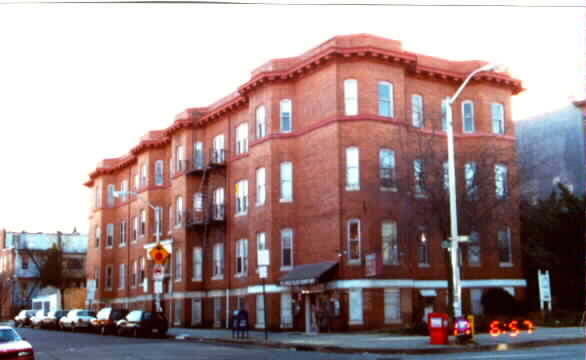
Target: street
(58, 345)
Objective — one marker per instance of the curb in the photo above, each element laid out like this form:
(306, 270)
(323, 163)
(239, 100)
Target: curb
(412, 351)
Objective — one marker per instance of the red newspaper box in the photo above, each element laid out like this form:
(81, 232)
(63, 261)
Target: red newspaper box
(437, 324)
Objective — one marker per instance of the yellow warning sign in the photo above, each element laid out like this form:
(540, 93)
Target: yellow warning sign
(159, 254)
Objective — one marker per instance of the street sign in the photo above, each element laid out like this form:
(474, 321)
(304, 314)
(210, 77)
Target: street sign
(159, 254)
(262, 272)
(158, 286)
(263, 258)
(158, 272)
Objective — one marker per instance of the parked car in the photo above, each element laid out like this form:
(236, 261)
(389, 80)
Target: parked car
(37, 318)
(77, 319)
(13, 346)
(106, 319)
(51, 321)
(24, 317)
(143, 323)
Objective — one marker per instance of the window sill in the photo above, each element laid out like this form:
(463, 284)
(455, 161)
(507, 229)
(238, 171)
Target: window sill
(240, 275)
(218, 277)
(109, 247)
(241, 214)
(389, 189)
(352, 188)
(196, 280)
(286, 268)
(506, 265)
(260, 204)
(259, 326)
(353, 323)
(122, 245)
(353, 262)
(420, 196)
(286, 326)
(285, 200)
(391, 264)
(398, 321)
(424, 265)
(178, 280)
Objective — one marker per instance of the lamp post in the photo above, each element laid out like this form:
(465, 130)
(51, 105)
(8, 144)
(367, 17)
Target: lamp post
(457, 303)
(156, 209)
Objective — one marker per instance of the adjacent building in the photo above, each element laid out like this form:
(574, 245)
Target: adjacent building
(328, 160)
(22, 255)
(551, 151)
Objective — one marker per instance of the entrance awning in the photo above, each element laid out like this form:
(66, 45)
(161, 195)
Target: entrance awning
(306, 274)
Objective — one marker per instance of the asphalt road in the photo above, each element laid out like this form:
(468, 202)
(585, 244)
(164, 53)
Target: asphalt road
(58, 345)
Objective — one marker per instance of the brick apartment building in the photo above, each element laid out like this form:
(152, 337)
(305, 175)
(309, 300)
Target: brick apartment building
(320, 159)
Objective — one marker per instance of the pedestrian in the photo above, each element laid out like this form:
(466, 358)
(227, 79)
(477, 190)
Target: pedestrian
(235, 323)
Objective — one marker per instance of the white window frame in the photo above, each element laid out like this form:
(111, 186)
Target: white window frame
(97, 276)
(142, 226)
(178, 211)
(179, 158)
(260, 311)
(261, 243)
(470, 180)
(501, 181)
(355, 307)
(286, 172)
(390, 243)
(385, 105)
(241, 139)
(135, 230)
(350, 97)
(286, 107)
(505, 235)
(109, 236)
(353, 259)
(261, 178)
(97, 236)
(111, 199)
(134, 277)
(419, 176)
(497, 111)
(287, 233)
(392, 305)
(122, 276)
(136, 182)
(159, 172)
(198, 155)
(196, 308)
(178, 265)
(144, 177)
(124, 190)
(472, 126)
(197, 262)
(286, 311)
(241, 257)
(261, 122)
(387, 169)
(352, 168)
(417, 119)
(218, 268)
(241, 193)
(218, 148)
(218, 204)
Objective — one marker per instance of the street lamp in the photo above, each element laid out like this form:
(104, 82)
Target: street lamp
(156, 209)
(452, 188)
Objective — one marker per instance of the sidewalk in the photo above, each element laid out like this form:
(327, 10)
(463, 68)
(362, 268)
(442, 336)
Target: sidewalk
(383, 344)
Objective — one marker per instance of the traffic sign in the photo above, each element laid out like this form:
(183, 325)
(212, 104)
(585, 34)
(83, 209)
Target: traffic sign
(158, 272)
(159, 254)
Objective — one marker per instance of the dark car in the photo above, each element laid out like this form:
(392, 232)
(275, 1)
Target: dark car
(51, 321)
(143, 323)
(13, 347)
(106, 319)
(24, 317)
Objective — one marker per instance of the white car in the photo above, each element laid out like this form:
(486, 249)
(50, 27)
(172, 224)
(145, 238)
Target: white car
(13, 346)
(77, 319)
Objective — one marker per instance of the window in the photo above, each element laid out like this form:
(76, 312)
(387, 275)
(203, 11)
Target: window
(196, 311)
(286, 249)
(261, 122)
(141, 270)
(218, 149)
(446, 173)
(218, 261)
(352, 169)
(109, 235)
(354, 240)
(355, 305)
(97, 236)
(178, 312)
(417, 110)
(241, 257)
(178, 265)
(500, 176)
(261, 242)
(286, 181)
(142, 222)
(286, 116)
(242, 139)
(198, 158)
(124, 189)
(422, 247)
(498, 118)
(260, 186)
(392, 306)
(170, 219)
(111, 190)
(474, 249)
(241, 197)
(504, 247)
(351, 97)
(135, 228)
(198, 202)
(24, 263)
(470, 180)
(159, 172)
(109, 275)
(286, 311)
(98, 200)
(97, 276)
(178, 211)
(179, 158)
(444, 115)
(260, 311)
(468, 116)
(218, 204)
(387, 168)
(135, 182)
(197, 264)
(390, 243)
(143, 176)
(476, 301)
(134, 274)
(385, 99)
(122, 279)
(419, 177)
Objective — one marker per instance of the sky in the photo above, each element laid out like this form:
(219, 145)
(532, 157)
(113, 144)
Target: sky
(83, 82)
